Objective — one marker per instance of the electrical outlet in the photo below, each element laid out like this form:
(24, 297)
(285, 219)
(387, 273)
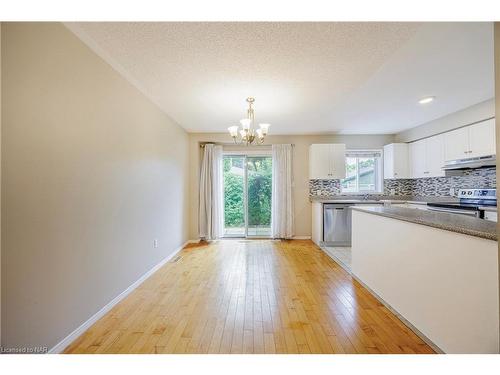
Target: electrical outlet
(452, 192)
(155, 243)
(393, 191)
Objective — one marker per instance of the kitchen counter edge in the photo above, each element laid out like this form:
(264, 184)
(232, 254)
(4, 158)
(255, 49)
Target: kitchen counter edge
(440, 220)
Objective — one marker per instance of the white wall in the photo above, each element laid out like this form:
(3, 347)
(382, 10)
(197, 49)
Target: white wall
(92, 173)
(302, 205)
(469, 115)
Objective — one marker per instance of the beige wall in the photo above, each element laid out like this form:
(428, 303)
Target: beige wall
(497, 107)
(92, 173)
(0, 183)
(300, 169)
(478, 112)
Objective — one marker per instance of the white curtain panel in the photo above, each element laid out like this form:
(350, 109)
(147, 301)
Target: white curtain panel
(282, 200)
(211, 201)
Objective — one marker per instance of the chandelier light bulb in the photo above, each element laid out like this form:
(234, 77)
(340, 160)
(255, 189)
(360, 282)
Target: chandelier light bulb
(264, 128)
(245, 123)
(233, 131)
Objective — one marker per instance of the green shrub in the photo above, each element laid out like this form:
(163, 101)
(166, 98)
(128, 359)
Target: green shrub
(259, 179)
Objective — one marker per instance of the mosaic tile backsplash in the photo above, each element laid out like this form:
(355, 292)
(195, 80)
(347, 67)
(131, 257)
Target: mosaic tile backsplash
(428, 187)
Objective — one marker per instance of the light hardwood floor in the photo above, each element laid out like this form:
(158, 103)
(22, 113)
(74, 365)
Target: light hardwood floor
(250, 297)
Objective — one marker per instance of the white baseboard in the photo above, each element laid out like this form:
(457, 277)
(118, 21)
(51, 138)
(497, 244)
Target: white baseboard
(193, 241)
(64, 343)
(301, 237)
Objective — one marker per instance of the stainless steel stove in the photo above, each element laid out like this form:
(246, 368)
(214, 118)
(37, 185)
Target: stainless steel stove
(471, 202)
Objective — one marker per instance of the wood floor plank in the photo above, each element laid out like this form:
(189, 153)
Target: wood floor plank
(257, 296)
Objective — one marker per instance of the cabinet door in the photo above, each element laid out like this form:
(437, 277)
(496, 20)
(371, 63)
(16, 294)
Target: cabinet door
(337, 158)
(319, 162)
(396, 161)
(389, 161)
(482, 139)
(456, 144)
(401, 161)
(434, 155)
(417, 159)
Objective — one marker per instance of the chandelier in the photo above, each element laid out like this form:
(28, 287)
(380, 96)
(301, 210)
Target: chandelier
(247, 134)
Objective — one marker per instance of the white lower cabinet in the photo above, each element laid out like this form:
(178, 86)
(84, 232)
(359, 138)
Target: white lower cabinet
(491, 216)
(450, 280)
(317, 223)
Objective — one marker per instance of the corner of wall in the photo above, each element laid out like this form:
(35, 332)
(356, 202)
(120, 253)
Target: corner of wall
(497, 110)
(0, 183)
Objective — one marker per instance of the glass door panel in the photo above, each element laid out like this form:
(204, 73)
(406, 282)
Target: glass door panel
(259, 195)
(234, 196)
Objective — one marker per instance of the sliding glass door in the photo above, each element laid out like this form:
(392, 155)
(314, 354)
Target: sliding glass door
(247, 195)
(234, 196)
(259, 190)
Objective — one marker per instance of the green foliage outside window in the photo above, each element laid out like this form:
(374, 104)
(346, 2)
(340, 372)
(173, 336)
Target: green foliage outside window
(259, 179)
(234, 209)
(259, 190)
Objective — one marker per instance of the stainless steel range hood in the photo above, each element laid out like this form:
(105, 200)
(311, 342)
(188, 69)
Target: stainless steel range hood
(471, 163)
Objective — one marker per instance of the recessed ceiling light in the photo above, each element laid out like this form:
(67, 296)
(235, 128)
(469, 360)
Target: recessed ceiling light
(427, 99)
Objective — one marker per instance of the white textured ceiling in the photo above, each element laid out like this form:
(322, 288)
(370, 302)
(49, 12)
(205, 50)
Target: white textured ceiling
(307, 78)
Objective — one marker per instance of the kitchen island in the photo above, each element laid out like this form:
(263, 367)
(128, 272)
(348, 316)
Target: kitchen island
(438, 271)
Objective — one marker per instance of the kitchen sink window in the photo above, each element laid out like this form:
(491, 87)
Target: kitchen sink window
(363, 172)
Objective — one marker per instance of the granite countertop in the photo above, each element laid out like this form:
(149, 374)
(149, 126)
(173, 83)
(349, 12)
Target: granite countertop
(353, 198)
(437, 219)
(379, 199)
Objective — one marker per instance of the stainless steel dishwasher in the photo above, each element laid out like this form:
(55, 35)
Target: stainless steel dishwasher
(337, 224)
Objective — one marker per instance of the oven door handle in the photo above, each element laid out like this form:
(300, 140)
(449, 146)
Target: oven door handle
(454, 211)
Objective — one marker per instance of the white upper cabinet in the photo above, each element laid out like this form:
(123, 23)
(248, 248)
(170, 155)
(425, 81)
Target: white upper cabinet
(424, 158)
(418, 167)
(456, 144)
(427, 157)
(434, 153)
(471, 141)
(326, 161)
(482, 139)
(396, 161)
